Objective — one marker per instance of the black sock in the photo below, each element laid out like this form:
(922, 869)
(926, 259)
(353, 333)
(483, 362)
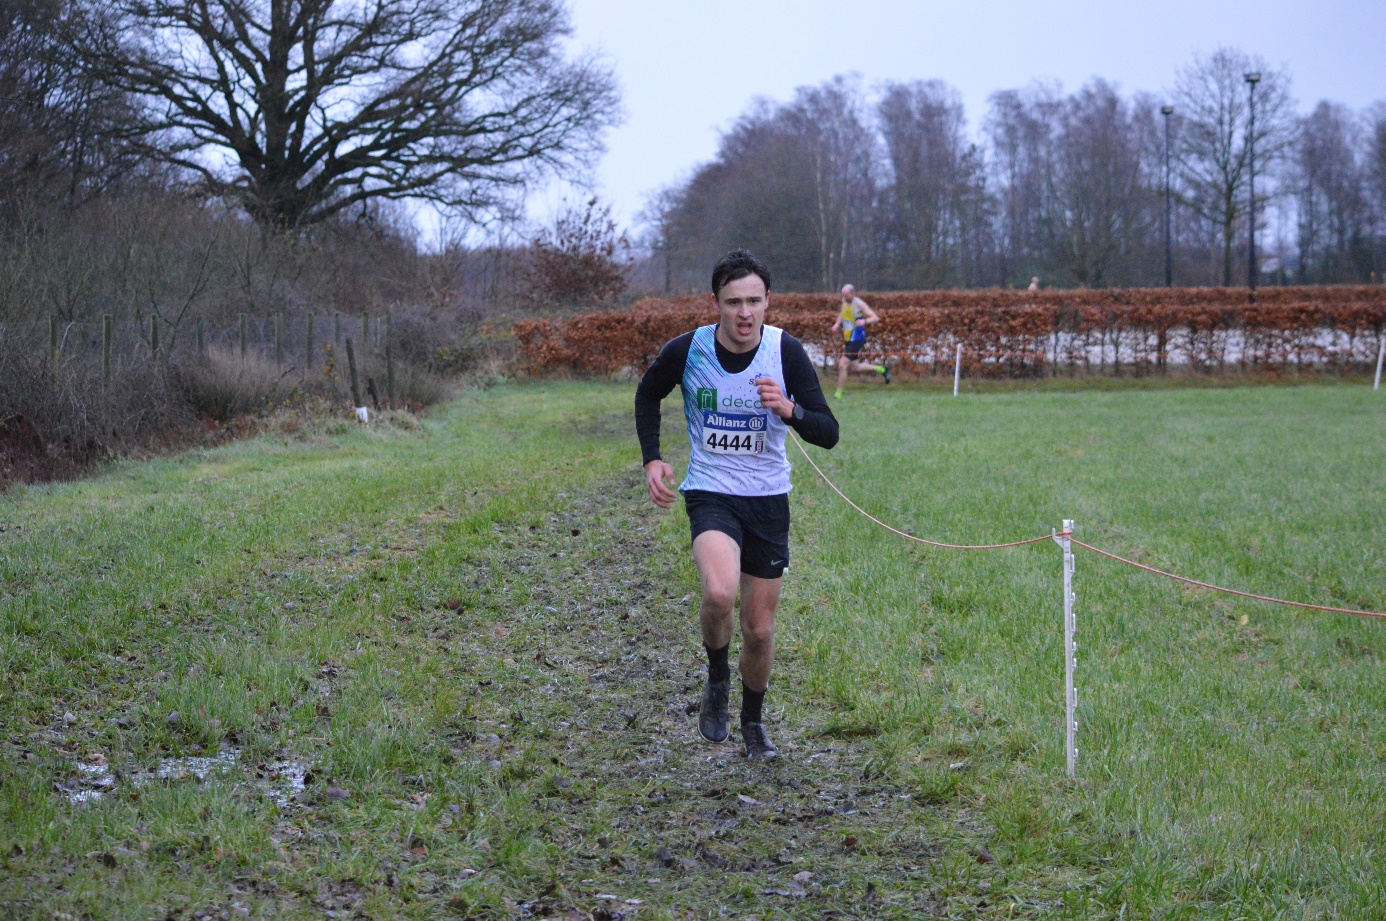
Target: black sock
(717, 667)
(750, 704)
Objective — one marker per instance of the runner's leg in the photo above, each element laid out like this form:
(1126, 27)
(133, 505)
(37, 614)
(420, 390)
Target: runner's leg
(718, 559)
(759, 599)
(861, 367)
(842, 362)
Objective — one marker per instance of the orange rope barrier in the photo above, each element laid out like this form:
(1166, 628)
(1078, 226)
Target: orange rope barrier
(1099, 551)
(931, 543)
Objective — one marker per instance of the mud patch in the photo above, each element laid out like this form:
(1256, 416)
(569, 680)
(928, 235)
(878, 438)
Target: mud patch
(592, 712)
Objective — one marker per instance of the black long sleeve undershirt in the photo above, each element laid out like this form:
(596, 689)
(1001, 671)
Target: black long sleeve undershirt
(818, 427)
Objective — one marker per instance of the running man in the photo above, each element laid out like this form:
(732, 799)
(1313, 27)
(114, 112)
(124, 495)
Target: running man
(745, 385)
(852, 319)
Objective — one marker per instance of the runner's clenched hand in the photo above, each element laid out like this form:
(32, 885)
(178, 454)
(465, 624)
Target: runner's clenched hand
(773, 398)
(659, 479)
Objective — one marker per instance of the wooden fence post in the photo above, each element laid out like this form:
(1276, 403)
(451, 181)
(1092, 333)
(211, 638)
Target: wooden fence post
(106, 332)
(355, 381)
(243, 336)
(279, 340)
(389, 362)
(308, 357)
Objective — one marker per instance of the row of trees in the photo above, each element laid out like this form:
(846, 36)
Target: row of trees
(892, 191)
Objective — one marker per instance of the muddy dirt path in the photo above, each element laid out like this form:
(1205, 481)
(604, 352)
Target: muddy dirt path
(594, 624)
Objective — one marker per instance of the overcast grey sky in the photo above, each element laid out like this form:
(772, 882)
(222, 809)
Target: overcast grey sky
(687, 69)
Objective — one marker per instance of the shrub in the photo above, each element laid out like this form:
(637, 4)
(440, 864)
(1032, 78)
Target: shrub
(223, 384)
(1014, 333)
(582, 261)
(54, 419)
(416, 386)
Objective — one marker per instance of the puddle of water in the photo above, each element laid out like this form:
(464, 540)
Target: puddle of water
(282, 781)
(96, 780)
(199, 767)
(285, 781)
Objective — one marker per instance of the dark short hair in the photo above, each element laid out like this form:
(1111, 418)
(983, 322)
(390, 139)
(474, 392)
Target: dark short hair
(737, 264)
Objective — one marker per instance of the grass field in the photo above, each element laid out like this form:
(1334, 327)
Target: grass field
(446, 671)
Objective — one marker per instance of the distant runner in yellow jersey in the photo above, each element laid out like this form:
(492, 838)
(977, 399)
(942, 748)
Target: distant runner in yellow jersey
(852, 319)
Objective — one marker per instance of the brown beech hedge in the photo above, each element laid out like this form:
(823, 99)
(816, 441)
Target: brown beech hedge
(1014, 333)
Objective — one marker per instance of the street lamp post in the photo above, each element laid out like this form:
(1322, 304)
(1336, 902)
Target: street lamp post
(1167, 111)
(1251, 80)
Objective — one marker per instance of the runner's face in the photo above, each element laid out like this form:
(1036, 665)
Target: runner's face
(741, 312)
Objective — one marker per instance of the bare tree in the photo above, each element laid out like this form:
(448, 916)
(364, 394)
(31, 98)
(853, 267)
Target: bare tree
(304, 108)
(793, 182)
(1020, 127)
(831, 124)
(750, 194)
(58, 128)
(1332, 195)
(657, 217)
(933, 170)
(1374, 157)
(1100, 195)
(1211, 101)
(581, 261)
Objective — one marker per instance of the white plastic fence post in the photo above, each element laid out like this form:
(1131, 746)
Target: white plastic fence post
(957, 370)
(1070, 653)
(1380, 354)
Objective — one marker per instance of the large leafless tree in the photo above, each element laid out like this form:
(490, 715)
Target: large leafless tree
(1020, 127)
(305, 108)
(1101, 196)
(793, 182)
(1212, 103)
(1375, 164)
(756, 193)
(57, 127)
(934, 173)
(1331, 195)
(833, 129)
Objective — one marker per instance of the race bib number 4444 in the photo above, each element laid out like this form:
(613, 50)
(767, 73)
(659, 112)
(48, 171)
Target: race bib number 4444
(734, 433)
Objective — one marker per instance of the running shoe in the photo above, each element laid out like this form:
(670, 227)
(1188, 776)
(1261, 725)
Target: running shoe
(885, 369)
(838, 395)
(758, 744)
(713, 722)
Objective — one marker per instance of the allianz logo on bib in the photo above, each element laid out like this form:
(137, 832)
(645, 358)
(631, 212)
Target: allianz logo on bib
(734, 421)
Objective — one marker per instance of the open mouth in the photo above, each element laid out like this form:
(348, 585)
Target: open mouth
(745, 329)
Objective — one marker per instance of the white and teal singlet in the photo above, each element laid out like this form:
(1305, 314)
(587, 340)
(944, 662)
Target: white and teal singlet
(737, 446)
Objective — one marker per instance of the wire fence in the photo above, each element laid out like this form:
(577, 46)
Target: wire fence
(291, 340)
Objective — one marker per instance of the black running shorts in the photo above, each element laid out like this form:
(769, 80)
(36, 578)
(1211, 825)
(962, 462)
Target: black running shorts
(758, 524)
(853, 349)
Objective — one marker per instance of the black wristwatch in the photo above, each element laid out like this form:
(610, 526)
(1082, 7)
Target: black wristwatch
(798, 413)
